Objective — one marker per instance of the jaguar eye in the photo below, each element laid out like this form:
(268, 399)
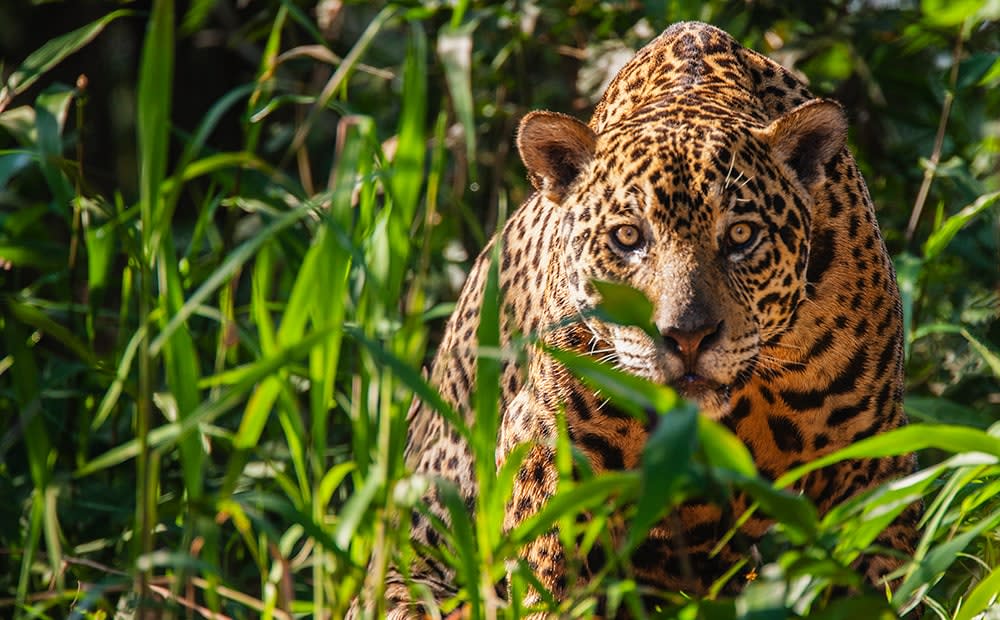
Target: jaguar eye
(626, 236)
(740, 235)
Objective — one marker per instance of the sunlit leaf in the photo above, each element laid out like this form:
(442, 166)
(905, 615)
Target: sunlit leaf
(624, 305)
(943, 236)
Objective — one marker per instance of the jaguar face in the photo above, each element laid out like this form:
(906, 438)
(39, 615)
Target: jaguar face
(712, 226)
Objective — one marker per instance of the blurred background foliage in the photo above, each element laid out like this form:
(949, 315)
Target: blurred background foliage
(231, 232)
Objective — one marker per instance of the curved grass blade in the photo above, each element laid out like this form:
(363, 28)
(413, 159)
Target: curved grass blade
(244, 379)
(51, 54)
(903, 441)
(234, 261)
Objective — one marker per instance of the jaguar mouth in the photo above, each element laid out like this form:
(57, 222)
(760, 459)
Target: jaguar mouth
(711, 396)
(694, 386)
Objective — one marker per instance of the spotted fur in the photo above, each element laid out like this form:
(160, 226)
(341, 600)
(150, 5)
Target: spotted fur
(710, 179)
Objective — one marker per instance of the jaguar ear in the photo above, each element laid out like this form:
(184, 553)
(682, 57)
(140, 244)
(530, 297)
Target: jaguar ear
(554, 148)
(807, 138)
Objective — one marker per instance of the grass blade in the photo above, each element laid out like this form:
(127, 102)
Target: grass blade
(51, 54)
(903, 441)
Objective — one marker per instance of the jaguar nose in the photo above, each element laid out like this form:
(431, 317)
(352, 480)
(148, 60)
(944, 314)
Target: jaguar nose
(690, 343)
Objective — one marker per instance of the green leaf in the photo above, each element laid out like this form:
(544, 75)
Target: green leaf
(411, 378)
(723, 449)
(903, 441)
(941, 237)
(20, 124)
(153, 119)
(51, 108)
(991, 357)
(625, 305)
(488, 370)
(666, 463)
(866, 607)
(941, 557)
(463, 530)
(982, 598)
(233, 262)
(948, 13)
(52, 53)
(938, 410)
(12, 162)
(100, 237)
(454, 48)
(992, 75)
(908, 271)
(586, 495)
(795, 512)
(974, 68)
(351, 515)
(242, 381)
(637, 396)
(42, 322)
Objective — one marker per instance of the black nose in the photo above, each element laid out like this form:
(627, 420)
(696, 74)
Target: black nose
(689, 343)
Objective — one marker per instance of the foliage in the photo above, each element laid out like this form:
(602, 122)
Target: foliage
(204, 376)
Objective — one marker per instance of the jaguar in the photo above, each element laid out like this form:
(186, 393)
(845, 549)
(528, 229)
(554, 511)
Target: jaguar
(710, 179)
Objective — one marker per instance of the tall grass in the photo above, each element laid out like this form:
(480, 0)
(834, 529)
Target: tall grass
(205, 386)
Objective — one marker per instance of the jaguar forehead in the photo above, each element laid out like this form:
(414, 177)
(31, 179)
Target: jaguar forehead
(665, 174)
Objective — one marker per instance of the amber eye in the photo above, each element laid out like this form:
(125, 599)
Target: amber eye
(626, 236)
(740, 235)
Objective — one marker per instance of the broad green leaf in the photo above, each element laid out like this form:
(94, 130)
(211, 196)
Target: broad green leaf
(941, 237)
(635, 395)
(796, 512)
(974, 68)
(100, 237)
(624, 305)
(723, 449)
(12, 162)
(666, 463)
(20, 124)
(51, 108)
(940, 410)
(992, 76)
(863, 607)
(41, 257)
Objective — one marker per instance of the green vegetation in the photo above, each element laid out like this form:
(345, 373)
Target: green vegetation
(206, 364)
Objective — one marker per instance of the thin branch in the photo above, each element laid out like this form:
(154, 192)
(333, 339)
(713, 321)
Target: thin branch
(932, 164)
